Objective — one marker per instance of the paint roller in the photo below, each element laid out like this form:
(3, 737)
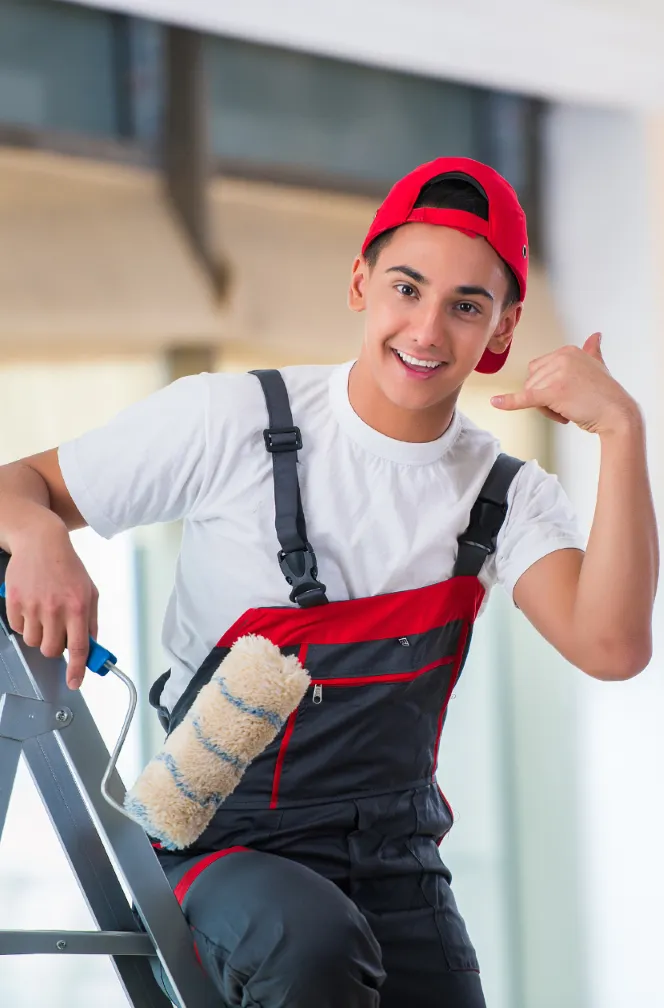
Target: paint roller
(232, 720)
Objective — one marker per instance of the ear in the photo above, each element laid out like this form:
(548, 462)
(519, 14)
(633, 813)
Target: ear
(502, 337)
(358, 281)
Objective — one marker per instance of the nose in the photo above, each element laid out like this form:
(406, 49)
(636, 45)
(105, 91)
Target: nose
(428, 329)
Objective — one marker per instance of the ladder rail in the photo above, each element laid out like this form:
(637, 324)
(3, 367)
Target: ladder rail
(91, 866)
(10, 753)
(67, 764)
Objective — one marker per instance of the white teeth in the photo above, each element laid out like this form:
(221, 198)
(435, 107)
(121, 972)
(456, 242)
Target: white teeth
(418, 363)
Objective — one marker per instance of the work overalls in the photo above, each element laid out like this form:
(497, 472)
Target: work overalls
(319, 882)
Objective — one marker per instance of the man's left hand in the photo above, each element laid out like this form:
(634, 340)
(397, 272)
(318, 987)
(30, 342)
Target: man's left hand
(573, 384)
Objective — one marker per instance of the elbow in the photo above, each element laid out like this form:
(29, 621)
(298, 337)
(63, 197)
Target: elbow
(619, 662)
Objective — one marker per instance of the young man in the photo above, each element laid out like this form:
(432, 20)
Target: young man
(319, 882)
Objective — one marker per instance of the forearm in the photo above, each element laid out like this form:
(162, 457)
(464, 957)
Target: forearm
(24, 504)
(614, 601)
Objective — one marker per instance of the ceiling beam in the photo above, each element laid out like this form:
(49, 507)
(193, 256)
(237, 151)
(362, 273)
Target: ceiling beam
(584, 51)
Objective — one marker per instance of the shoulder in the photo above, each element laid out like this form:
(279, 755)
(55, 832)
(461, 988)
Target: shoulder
(534, 489)
(238, 412)
(535, 496)
(242, 392)
(540, 516)
(227, 389)
(308, 384)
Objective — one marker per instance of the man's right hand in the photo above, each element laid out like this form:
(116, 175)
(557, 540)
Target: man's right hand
(51, 600)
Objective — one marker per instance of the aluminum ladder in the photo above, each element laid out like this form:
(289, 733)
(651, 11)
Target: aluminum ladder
(68, 760)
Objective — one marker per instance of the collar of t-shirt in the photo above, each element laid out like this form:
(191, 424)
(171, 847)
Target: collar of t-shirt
(405, 452)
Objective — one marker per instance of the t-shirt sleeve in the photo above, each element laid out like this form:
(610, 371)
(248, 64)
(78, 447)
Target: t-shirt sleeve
(146, 465)
(540, 520)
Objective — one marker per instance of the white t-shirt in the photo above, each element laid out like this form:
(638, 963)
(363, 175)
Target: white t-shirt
(382, 515)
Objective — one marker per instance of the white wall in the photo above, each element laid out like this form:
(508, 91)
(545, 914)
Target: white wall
(518, 794)
(603, 219)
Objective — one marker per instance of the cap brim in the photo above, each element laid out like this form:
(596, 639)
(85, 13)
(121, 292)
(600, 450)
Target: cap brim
(491, 362)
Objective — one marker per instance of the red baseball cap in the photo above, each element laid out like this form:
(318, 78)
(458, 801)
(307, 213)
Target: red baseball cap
(505, 230)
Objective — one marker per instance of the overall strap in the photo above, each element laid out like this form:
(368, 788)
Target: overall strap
(282, 439)
(486, 518)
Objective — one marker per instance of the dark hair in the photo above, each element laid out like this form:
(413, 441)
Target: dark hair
(450, 193)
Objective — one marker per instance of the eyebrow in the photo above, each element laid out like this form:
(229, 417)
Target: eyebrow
(474, 292)
(463, 291)
(410, 272)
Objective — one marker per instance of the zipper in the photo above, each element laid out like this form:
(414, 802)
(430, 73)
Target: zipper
(371, 680)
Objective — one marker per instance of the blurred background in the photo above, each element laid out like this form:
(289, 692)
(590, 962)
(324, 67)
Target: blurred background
(183, 187)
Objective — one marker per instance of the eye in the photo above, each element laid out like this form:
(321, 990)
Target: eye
(406, 290)
(466, 308)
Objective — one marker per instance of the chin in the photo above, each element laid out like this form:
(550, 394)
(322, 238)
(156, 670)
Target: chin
(422, 398)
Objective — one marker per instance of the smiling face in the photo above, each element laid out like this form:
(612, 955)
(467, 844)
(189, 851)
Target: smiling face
(434, 301)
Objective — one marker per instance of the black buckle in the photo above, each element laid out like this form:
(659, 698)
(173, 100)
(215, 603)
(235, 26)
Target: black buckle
(282, 439)
(486, 521)
(300, 570)
(482, 546)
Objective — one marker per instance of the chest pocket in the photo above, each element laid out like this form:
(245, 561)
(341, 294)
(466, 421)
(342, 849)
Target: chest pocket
(370, 720)
(396, 655)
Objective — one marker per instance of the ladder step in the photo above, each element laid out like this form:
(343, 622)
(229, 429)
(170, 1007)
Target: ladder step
(75, 943)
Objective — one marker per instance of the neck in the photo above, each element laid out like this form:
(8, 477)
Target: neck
(375, 409)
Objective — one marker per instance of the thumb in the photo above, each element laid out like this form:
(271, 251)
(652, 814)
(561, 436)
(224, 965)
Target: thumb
(593, 346)
(514, 400)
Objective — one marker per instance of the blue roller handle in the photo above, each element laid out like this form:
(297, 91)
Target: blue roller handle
(98, 656)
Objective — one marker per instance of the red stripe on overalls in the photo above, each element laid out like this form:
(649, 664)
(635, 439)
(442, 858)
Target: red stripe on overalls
(290, 727)
(388, 677)
(190, 876)
(348, 622)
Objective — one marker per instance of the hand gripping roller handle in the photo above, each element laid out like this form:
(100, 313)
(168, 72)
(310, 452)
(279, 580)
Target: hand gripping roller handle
(102, 661)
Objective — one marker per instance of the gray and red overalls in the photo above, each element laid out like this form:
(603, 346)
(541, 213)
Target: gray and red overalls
(319, 882)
